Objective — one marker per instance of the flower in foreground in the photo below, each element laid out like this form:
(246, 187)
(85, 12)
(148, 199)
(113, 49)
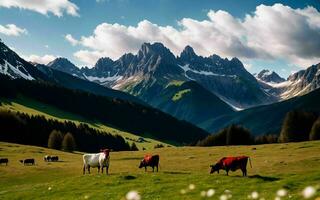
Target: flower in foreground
(254, 195)
(223, 197)
(183, 191)
(192, 187)
(133, 195)
(308, 192)
(281, 193)
(210, 192)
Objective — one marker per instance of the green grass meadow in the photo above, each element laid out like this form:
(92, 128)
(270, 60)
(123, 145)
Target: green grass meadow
(32, 107)
(289, 166)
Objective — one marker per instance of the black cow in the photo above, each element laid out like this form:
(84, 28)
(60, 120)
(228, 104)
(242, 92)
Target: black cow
(4, 161)
(28, 161)
(54, 158)
(151, 161)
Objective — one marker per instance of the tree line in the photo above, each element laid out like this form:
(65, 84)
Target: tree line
(131, 117)
(297, 126)
(22, 128)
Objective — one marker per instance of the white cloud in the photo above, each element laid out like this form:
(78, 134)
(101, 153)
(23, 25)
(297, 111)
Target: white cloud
(70, 39)
(12, 30)
(88, 57)
(270, 32)
(56, 7)
(45, 59)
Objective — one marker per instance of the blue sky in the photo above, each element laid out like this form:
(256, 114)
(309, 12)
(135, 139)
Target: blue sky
(43, 31)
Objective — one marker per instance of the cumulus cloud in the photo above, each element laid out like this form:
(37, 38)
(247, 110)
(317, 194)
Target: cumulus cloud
(70, 39)
(270, 32)
(45, 59)
(56, 7)
(12, 30)
(88, 57)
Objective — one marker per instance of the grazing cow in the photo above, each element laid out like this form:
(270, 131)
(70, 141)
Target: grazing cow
(232, 163)
(54, 158)
(148, 160)
(4, 161)
(99, 160)
(49, 158)
(29, 161)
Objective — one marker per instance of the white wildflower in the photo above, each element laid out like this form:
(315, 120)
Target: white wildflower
(133, 195)
(281, 193)
(183, 191)
(223, 197)
(210, 192)
(203, 193)
(192, 187)
(49, 188)
(255, 195)
(308, 192)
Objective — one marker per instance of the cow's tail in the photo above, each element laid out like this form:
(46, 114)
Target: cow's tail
(250, 162)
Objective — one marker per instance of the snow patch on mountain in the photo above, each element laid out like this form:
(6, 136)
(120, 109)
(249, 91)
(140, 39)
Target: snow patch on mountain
(103, 79)
(187, 68)
(15, 71)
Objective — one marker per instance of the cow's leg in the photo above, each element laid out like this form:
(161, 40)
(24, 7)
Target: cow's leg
(157, 168)
(145, 168)
(244, 172)
(84, 169)
(107, 170)
(98, 169)
(152, 168)
(227, 170)
(102, 170)
(89, 169)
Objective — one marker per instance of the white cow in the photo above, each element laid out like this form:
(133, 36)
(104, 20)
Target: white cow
(99, 160)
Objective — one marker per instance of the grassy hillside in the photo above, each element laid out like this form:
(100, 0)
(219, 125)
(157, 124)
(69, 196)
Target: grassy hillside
(134, 118)
(266, 119)
(278, 166)
(191, 102)
(32, 107)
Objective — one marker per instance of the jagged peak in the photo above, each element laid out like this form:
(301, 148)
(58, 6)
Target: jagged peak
(155, 48)
(61, 62)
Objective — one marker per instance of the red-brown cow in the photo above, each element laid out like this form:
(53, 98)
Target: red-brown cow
(232, 163)
(148, 160)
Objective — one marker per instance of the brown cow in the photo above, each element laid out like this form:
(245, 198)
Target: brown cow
(231, 163)
(148, 160)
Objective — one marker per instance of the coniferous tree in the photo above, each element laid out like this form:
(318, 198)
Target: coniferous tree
(315, 131)
(237, 135)
(297, 126)
(134, 147)
(68, 143)
(55, 140)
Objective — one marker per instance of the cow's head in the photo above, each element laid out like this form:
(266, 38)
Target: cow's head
(215, 168)
(105, 151)
(142, 163)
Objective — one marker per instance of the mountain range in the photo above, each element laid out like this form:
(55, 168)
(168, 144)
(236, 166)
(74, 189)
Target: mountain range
(223, 83)
(206, 91)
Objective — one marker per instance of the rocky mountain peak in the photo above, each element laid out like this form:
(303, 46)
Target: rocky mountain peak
(269, 76)
(103, 62)
(188, 53)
